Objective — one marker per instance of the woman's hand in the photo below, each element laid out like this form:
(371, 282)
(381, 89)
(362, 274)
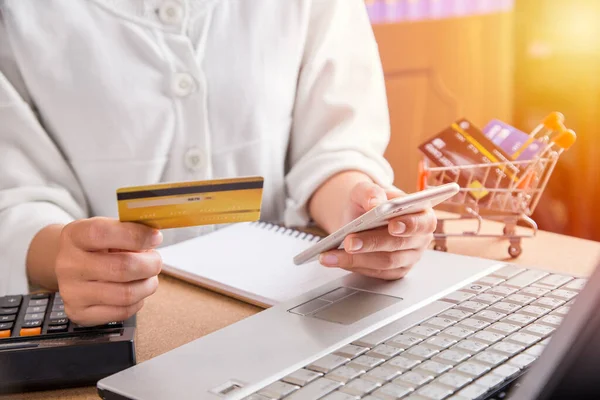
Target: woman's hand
(387, 252)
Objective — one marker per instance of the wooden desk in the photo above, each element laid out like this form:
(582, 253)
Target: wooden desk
(179, 312)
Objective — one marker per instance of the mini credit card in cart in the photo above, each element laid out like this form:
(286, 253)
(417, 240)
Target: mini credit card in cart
(185, 204)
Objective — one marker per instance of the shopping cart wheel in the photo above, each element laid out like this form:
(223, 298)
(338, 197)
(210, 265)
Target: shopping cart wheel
(508, 230)
(440, 247)
(515, 250)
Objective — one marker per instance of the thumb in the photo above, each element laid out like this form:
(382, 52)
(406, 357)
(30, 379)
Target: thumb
(368, 195)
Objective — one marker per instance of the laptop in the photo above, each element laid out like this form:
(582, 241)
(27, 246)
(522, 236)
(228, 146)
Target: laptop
(455, 327)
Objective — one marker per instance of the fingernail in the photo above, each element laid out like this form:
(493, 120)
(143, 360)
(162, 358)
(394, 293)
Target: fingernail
(398, 227)
(355, 244)
(374, 201)
(156, 238)
(329, 260)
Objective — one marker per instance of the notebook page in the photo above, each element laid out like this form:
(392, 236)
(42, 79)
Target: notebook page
(250, 261)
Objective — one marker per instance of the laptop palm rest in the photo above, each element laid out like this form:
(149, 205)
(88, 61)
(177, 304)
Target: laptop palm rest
(345, 305)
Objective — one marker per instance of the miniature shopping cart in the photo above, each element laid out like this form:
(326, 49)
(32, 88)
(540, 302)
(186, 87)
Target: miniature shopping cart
(512, 205)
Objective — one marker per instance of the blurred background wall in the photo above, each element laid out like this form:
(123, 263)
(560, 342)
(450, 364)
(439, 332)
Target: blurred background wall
(514, 60)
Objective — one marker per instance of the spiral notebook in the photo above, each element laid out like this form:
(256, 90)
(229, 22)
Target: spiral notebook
(252, 262)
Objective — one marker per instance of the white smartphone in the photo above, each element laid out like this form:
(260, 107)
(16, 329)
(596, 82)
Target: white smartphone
(379, 216)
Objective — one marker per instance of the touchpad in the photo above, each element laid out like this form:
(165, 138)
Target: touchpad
(353, 306)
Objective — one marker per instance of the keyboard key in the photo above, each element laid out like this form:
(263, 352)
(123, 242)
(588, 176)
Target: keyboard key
(563, 294)
(455, 314)
(472, 391)
(504, 328)
(277, 390)
(522, 360)
(10, 301)
(381, 374)
(340, 396)
(475, 288)
(414, 378)
(440, 341)
(507, 348)
(57, 328)
(440, 322)
(526, 278)
(351, 351)
(549, 302)
(435, 392)
(523, 338)
(487, 336)
(434, 367)
(534, 311)
(506, 371)
(404, 341)
(344, 374)
(38, 302)
(458, 297)
(473, 323)
(360, 387)
(7, 318)
(454, 380)
(490, 357)
(424, 331)
(488, 298)
(508, 272)
(58, 314)
(302, 377)
(32, 323)
(535, 351)
(553, 281)
(35, 309)
(502, 290)
(392, 391)
(504, 307)
(9, 311)
(519, 299)
(519, 319)
(315, 390)
(30, 331)
(490, 280)
(552, 320)
(576, 284)
(489, 380)
(562, 311)
(384, 351)
(472, 368)
(328, 363)
(366, 362)
(534, 291)
(470, 346)
(539, 330)
(451, 357)
(489, 316)
(401, 363)
(6, 325)
(471, 306)
(58, 321)
(422, 351)
(458, 332)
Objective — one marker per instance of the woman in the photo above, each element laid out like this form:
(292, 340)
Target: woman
(100, 94)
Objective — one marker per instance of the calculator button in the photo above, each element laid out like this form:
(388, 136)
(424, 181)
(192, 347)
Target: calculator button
(6, 325)
(5, 334)
(35, 316)
(38, 302)
(7, 318)
(34, 323)
(57, 314)
(58, 321)
(30, 331)
(58, 307)
(36, 309)
(9, 311)
(10, 301)
(38, 296)
(58, 301)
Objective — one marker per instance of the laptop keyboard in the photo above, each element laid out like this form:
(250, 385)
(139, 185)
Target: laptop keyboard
(491, 331)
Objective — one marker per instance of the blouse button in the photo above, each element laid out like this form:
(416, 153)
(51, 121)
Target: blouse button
(193, 159)
(183, 84)
(170, 12)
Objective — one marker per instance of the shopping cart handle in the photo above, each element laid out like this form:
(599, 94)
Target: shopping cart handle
(565, 139)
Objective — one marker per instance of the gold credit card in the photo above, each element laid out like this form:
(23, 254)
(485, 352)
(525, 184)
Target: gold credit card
(183, 204)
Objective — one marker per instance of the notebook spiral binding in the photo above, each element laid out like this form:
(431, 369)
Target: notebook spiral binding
(286, 231)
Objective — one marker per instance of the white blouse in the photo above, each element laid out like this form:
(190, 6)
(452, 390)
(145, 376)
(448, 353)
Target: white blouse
(100, 94)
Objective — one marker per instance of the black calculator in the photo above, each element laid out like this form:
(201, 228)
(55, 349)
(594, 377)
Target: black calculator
(41, 349)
